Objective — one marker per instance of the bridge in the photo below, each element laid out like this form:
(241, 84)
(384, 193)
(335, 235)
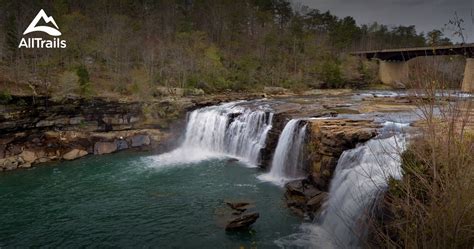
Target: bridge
(393, 67)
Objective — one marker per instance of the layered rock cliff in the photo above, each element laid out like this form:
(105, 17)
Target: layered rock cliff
(38, 129)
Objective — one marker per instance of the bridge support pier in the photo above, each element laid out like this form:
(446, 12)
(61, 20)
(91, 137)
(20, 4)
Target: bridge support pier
(394, 73)
(468, 81)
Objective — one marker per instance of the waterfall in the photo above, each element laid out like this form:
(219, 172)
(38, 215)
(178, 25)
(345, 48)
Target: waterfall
(287, 164)
(361, 175)
(225, 130)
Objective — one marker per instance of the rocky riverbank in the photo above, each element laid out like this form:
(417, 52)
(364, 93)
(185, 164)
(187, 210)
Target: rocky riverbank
(36, 130)
(22, 150)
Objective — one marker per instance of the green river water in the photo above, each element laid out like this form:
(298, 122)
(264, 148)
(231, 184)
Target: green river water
(126, 200)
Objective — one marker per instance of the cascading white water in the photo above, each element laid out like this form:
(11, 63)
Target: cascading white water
(361, 175)
(223, 130)
(287, 164)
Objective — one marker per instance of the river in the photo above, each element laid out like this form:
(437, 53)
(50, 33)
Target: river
(129, 199)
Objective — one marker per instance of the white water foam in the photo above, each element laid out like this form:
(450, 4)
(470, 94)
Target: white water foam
(360, 177)
(227, 130)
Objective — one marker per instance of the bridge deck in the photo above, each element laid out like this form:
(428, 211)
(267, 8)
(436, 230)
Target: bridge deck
(404, 54)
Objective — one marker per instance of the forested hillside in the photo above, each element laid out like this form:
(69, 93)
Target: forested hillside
(127, 47)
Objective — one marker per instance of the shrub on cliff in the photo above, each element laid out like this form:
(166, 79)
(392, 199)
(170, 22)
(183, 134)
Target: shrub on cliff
(433, 205)
(5, 97)
(84, 81)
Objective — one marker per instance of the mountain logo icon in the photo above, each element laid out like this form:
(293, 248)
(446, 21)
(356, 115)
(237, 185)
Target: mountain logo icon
(46, 29)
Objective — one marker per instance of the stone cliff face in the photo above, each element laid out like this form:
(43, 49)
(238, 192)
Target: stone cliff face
(266, 154)
(42, 113)
(328, 139)
(37, 130)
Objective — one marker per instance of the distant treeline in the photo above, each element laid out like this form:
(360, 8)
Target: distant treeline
(130, 46)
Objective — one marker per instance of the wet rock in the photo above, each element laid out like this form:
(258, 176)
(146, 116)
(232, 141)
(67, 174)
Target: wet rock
(316, 202)
(303, 197)
(28, 156)
(328, 139)
(242, 222)
(121, 144)
(238, 205)
(25, 165)
(74, 154)
(9, 163)
(298, 211)
(232, 160)
(27, 149)
(101, 148)
(295, 187)
(140, 140)
(44, 160)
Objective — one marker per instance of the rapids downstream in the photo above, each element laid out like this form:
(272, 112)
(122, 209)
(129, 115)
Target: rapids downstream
(175, 200)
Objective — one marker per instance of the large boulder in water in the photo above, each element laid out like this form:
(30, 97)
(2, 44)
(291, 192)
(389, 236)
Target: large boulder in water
(74, 154)
(242, 222)
(239, 206)
(101, 148)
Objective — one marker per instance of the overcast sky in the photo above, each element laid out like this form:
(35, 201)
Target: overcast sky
(426, 15)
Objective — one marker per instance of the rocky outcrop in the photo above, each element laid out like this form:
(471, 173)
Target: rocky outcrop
(22, 150)
(240, 219)
(271, 142)
(74, 154)
(39, 129)
(239, 206)
(303, 198)
(79, 114)
(242, 222)
(140, 140)
(101, 148)
(328, 138)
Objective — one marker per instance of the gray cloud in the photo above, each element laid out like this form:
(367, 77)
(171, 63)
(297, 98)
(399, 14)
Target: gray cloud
(426, 15)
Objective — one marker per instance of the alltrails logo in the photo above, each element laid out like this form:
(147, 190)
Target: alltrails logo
(40, 42)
